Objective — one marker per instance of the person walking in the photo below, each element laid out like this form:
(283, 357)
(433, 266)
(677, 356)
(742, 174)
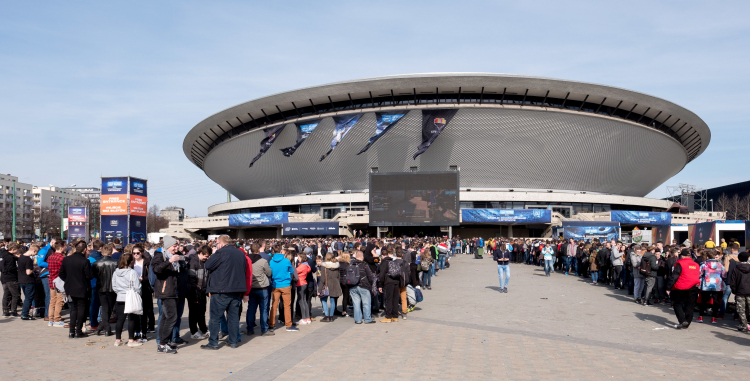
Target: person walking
(229, 284)
(123, 280)
(75, 271)
(103, 270)
(683, 288)
(166, 269)
(502, 256)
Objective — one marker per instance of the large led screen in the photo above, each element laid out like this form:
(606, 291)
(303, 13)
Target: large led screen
(414, 199)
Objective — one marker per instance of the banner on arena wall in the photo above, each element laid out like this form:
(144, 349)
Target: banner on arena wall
(114, 227)
(344, 124)
(662, 233)
(529, 216)
(310, 228)
(138, 198)
(641, 218)
(271, 134)
(252, 219)
(75, 232)
(702, 232)
(303, 131)
(384, 123)
(137, 229)
(604, 233)
(77, 215)
(433, 123)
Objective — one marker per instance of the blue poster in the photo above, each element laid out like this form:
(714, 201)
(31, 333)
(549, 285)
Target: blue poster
(604, 233)
(271, 134)
(75, 232)
(114, 227)
(529, 216)
(114, 185)
(433, 123)
(310, 228)
(303, 131)
(343, 125)
(641, 218)
(252, 219)
(137, 229)
(138, 187)
(384, 123)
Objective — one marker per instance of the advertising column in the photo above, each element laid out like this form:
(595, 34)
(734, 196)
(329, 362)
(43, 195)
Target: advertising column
(77, 223)
(138, 210)
(114, 209)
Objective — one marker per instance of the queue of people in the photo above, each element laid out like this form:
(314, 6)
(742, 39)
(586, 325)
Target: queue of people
(113, 287)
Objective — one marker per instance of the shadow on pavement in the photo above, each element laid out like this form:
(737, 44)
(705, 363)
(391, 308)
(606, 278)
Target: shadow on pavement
(656, 319)
(745, 341)
(496, 288)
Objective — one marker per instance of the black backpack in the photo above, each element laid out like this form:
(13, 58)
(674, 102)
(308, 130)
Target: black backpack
(405, 274)
(352, 277)
(394, 269)
(645, 267)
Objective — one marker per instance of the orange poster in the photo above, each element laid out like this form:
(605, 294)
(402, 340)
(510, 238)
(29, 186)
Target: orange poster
(114, 204)
(138, 205)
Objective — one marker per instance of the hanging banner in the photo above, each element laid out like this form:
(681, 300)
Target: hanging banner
(662, 233)
(702, 232)
(604, 233)
(271, 134)
(310, 228)
(529, 216)
(76, 232)
(433, 123)
(641, 218)
(303, 131)
(343, 125)
(384, 123)
(250, 219)
(77, 215)
(138, 198)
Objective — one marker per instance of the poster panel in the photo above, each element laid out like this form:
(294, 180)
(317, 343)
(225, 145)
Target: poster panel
(77, 215)
(114, 205)
(252, 219)
(310, 228)
(114, 227)
(433, 123)
(662, 233)
(114, 185)
(702, 232)
(641, 218)
(76, 232)
(344, 124)
(604, 233)
(384, 123)
(271, 134)
(303, 131)
(529, 216)
(137, 229)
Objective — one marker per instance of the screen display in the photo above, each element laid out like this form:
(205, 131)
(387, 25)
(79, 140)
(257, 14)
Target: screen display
(414, 199)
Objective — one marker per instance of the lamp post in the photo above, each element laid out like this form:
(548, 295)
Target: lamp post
(712, 205)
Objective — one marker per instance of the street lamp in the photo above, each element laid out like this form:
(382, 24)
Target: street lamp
(62, 211)
(712, 205)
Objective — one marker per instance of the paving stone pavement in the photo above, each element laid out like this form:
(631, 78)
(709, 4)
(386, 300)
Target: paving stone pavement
(555, 328)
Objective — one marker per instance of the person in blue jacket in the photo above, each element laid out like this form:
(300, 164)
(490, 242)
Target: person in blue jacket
(41, 261)
(281, 284)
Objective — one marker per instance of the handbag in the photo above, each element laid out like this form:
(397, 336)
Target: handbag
(133, 303)
(325, 292)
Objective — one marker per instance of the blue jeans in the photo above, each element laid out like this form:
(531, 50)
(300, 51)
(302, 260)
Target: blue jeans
(180, 310)
(594, 276)
(229, 304)
(724, 299)
(224, 328)
(548, 263)
(45, 284)
(441, 261)
(28, 296)
(258, 298)
(328, 308)
(361, 303)
(94, 310)
(566, 263)
(432, 269)
(503, 271)
(427, 278)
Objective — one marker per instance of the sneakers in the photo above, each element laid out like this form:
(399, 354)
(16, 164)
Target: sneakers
(699, 320)
(118, 343)
(166, 349)
(211, 347)
(292, 329)
(58, 324)
(370, 322)
(49, 324)
(268, 333)
(394, 320)
(386, 320)
(134, 343)
(713, 320)
(197, 335)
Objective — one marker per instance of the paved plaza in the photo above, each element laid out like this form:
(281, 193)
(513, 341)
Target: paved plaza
(556, 328)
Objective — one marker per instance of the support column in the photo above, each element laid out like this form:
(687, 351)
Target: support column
(278, 232)
(240, 233)
(510, 231)
(450, 232)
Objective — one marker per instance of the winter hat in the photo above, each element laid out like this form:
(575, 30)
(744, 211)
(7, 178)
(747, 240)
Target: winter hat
(743, 256)
(169, 241)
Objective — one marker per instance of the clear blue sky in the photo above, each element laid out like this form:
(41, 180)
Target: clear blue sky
(107, 88)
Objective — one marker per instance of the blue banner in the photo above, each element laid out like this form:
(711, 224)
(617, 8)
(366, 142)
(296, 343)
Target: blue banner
(138, 187)
(529, 216)
(433, 123)
(252, 219)
(75, 232)
(641, 218)
(137, 229)
(343, 125)
(271, 134)
(310, 228)
(384, 123)
(114, 227)
(604, 233)
(114, 185)
(303, 131)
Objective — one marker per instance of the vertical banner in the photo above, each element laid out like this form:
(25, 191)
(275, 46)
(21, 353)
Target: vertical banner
(114, 208)
(77, 222)
(662, 233)
(303, 131)
(76, 232)
(702, 232)
(271, 134)
(137, 210)
(384, 123)
(343, 125)
(433, 123)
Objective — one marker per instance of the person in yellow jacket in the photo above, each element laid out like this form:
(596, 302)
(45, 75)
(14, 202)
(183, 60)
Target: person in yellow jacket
(723, 244)
(710, 244)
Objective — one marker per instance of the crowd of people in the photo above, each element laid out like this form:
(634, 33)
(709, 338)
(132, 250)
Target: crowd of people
(101, 285)
(683, 276)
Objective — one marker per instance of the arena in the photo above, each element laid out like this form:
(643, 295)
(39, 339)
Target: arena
(518, 142)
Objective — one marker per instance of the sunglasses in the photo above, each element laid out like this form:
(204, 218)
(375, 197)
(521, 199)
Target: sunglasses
(136, 252)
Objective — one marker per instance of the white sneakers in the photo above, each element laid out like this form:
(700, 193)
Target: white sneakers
(198, 335)
(134, 343)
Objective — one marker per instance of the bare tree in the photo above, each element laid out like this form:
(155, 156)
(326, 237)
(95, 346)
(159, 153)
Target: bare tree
(47, 221)
(734, 209)
(722, 203)
(154, 221)
(745, 206)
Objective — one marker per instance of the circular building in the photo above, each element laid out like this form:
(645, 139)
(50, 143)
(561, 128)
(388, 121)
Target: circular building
(518, 142)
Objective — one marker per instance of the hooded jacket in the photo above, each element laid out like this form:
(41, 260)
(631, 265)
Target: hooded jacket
(712, 274)
(331, 278)
(740, 279)
(261, 272)
(123, 280)
(281, 270)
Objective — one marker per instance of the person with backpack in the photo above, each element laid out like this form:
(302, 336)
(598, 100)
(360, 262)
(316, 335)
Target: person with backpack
(403, 280)
(343, 260)
(103, 270)
(683, 288)
(712, 273)
(388, 284)
(359, 278)
(425, 265)
(329, 288)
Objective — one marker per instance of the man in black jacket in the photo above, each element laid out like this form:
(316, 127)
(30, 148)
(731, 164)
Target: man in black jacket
(650, 280)
(76, 273)
(228, 286)
(103, 270)
(360, 293)
(166, 269)
(9, 276)
(388, 286)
